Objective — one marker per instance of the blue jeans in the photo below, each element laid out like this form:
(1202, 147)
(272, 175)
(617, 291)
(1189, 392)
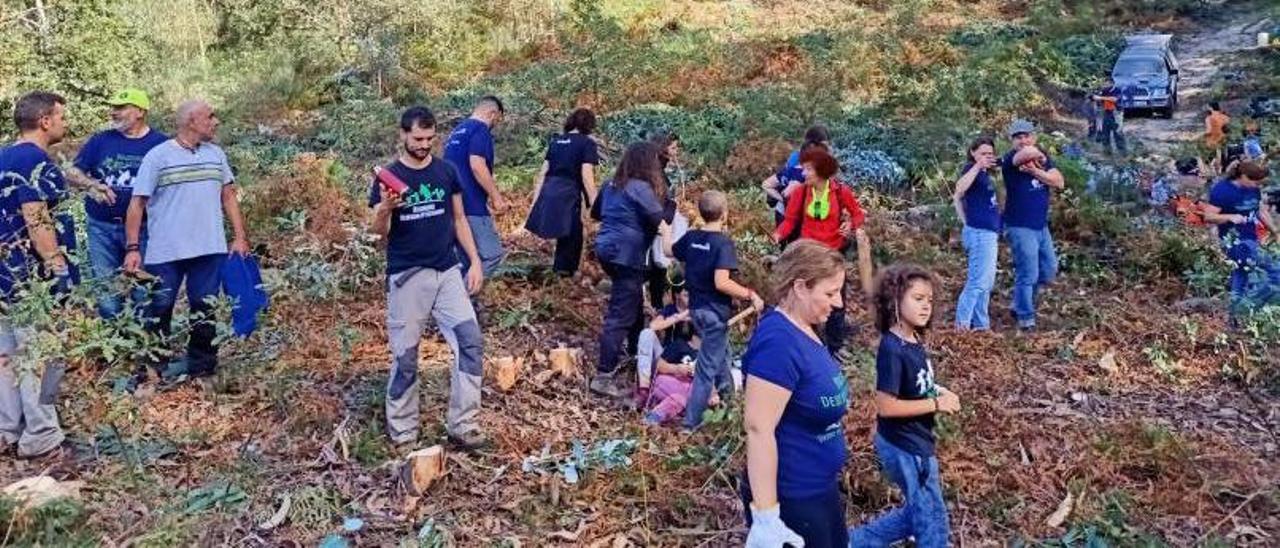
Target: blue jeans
(106, 256)
(712, 369)
(1034, 263)
(1256, 279)
(624, 316)
(923, 514)
(983, 247)
(488, 245)
(203, 276)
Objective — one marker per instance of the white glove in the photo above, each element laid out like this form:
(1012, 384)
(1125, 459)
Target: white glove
(768, 531)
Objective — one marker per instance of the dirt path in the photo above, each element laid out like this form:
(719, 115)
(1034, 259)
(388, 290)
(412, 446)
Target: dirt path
(1200, 56)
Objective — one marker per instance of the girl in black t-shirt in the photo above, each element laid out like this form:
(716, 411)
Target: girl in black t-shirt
(907, 399)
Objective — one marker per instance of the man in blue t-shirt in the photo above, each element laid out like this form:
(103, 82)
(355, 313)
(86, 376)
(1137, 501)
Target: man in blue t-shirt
(1026, 220)
(106, 167)
(423, 228)
(35, 237)
(470, 150)
(709, 260)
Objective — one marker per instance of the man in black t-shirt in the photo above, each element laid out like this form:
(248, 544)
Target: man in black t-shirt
(423, 225)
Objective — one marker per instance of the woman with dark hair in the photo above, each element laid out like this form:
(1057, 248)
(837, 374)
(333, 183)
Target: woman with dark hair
(668, 144)
(568, 174)
(630, 215)
(825, 210)
(979, 211)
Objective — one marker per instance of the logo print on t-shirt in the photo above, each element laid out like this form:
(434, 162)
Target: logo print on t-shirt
(426, 194)
(924, 379)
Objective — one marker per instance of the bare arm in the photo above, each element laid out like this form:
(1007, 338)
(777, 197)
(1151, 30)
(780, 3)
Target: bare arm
(98, 190)
(676, 369)
(382, 214)
(726, 285)
(1051, 177)
(474, 276)
(540, 178)
(661, 323)
(485, 177)
(962, 186)
(888, 405)
(589, 182)
(1214, 215)
(231, 207)
(770, 187)
(463, 230)
(764, 402)
(43, 234)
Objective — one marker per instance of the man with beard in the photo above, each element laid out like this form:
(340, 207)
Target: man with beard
(106, 167)
(424, 223)
(36, 236)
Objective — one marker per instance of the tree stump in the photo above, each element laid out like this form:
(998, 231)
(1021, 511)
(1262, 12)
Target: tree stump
(421, 468)
(508, 370)
(564, 361)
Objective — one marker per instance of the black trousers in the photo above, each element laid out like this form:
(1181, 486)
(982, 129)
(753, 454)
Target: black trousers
(568, 253)
(624, 316)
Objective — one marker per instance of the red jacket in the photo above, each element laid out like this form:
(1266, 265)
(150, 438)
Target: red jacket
(825, 231)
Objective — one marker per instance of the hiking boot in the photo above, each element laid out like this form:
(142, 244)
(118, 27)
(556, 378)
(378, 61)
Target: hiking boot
(471, 441)
(607, 384)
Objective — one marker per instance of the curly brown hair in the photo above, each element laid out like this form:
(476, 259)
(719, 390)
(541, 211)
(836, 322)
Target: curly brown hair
(891, 287)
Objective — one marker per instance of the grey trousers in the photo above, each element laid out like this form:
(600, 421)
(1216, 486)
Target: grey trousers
(28, 416)
(413, 299)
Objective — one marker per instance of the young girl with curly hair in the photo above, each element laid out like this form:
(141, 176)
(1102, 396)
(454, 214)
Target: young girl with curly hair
(907, 398)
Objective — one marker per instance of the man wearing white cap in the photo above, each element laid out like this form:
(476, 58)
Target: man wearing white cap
(107, 166)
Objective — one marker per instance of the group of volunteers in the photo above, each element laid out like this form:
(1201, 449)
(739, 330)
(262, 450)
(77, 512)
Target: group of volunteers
(436, 217)
(181, 186)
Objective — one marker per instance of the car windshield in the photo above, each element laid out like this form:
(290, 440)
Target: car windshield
(1138, 66)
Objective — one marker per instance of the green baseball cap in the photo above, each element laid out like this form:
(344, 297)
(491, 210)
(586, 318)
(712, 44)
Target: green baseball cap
(130, 96)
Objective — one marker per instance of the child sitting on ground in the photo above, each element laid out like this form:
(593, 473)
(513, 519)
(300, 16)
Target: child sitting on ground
(673, 381)
(709, 258)
(670, 325)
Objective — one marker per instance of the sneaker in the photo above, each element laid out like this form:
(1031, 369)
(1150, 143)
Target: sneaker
(471, 441)
(606, 384)
(653, 418)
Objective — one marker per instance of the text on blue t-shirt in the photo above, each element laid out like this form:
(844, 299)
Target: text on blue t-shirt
(810, 434)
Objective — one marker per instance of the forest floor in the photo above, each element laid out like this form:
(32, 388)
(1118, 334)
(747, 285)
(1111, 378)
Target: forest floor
(1128, 409)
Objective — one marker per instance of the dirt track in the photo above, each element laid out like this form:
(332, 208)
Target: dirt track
(1200, 56)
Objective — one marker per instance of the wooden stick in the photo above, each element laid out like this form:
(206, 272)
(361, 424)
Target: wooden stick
(742, 316)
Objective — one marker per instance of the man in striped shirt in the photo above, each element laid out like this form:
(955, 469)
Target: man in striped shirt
(184, 188)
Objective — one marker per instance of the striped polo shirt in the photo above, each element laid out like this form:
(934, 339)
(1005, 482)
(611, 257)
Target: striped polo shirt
(184, 206)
